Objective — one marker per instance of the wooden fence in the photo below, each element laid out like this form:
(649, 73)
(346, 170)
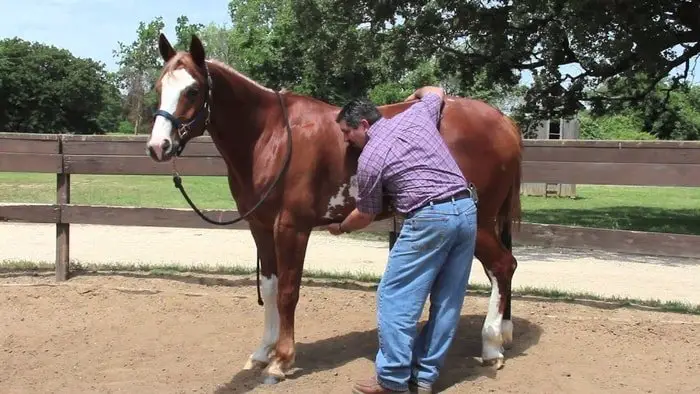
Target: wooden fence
(657, 163)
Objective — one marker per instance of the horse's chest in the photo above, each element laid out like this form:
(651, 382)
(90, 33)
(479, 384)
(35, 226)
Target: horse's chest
(343, 201)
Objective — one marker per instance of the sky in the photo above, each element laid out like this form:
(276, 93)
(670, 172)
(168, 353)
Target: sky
(93, 28)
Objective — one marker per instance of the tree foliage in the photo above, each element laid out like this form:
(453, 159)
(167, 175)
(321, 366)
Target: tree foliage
(640, 40)
(613, 56)
(44, 89)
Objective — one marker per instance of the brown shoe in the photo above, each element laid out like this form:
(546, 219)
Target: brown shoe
(371, 386)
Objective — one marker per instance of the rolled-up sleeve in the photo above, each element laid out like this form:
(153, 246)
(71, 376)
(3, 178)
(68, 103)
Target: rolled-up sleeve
(369, 182)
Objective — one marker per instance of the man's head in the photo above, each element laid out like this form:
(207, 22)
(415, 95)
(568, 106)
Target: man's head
(355, 118)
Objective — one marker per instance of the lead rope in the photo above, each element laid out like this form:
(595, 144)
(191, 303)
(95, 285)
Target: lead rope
(177, 180)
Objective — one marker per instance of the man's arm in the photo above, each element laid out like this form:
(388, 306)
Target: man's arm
(420, 92)
(355, 221)
(369, 198)
(431, 98)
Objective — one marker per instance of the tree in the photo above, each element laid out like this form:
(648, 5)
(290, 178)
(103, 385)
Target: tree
(138, 65)
(604, 39)
(44, 89)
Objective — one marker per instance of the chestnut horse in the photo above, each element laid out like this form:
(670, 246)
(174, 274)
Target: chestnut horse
(288, 163)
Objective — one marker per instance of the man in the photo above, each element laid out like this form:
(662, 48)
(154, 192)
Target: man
(433, 253)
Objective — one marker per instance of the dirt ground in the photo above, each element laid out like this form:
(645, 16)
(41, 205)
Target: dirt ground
(112, 333)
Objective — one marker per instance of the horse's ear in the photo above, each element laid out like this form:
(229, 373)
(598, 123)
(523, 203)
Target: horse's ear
(166, 50)
(197, 51)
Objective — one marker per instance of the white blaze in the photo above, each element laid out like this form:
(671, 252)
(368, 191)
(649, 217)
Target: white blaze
(173, 85)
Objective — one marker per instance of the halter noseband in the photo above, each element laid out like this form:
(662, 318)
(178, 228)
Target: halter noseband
(184, 128)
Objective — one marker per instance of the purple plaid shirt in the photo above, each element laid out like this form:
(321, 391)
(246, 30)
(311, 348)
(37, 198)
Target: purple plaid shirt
(407, 157)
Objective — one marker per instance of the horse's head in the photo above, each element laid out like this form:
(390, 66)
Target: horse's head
(184, 94)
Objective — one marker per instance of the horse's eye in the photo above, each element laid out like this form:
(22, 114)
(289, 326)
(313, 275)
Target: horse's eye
(192, 93)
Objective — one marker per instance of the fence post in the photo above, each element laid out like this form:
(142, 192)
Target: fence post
(62, 229)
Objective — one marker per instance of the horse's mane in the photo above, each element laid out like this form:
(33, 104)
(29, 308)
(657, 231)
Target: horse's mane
(238, 74)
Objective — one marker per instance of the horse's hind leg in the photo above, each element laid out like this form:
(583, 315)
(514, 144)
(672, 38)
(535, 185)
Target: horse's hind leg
(500, 265)
(264, 241)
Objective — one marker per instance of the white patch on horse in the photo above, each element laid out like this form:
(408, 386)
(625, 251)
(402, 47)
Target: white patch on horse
(491, 332)
(173, 85)
(268, 292)
(341, 199)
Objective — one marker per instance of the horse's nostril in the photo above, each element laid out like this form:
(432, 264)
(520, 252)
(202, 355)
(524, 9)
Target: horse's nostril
(165, 145)
(151, 152)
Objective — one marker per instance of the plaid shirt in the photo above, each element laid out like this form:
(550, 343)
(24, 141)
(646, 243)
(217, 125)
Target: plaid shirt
(407, 158)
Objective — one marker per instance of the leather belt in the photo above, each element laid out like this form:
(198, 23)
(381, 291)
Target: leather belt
(457, 196)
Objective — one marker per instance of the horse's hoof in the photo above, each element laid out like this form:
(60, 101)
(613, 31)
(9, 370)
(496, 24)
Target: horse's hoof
(274, 370)
(270, 380)
(254, 364)
(499, 362)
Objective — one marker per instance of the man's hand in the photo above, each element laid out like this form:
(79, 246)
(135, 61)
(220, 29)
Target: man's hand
(355, 221)
(334, 229)
(420, 92)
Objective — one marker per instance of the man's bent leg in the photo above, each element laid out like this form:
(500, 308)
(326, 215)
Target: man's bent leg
(413, 265)
(446, 299)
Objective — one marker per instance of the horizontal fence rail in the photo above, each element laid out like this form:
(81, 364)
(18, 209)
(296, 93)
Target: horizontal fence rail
(644, 163)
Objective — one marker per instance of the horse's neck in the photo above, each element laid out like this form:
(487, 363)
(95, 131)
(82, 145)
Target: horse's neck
(236, 125)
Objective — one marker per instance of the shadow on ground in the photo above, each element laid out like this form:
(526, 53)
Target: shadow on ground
(331, 353)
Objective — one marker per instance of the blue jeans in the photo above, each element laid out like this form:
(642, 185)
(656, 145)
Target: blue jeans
(432, 255)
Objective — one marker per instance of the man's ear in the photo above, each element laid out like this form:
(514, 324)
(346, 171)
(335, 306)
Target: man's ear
(364, 123)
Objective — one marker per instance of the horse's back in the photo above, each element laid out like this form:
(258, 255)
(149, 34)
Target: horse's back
(484, 141)
(477, 133)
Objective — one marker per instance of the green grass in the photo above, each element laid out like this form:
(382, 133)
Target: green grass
(346, 280)
(662, 209)
(120, 190)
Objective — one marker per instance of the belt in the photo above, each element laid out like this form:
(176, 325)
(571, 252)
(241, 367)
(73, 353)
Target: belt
(457, 196)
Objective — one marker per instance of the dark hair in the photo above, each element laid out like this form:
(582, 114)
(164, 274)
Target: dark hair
(356, 110)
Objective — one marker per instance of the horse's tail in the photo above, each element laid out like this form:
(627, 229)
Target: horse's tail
(510, 212)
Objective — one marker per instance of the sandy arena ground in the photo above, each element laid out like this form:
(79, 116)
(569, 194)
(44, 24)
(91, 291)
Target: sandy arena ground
(116, 334)
(103, 333)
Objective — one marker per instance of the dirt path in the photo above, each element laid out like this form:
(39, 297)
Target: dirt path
(111, 334)
(600, 273)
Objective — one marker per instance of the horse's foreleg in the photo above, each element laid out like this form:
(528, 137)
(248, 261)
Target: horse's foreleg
(291, 243)
(499, 264)
(264, 240)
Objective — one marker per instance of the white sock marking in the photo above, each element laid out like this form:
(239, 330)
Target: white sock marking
(491, 332)
(268, 291)
(173, 85)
